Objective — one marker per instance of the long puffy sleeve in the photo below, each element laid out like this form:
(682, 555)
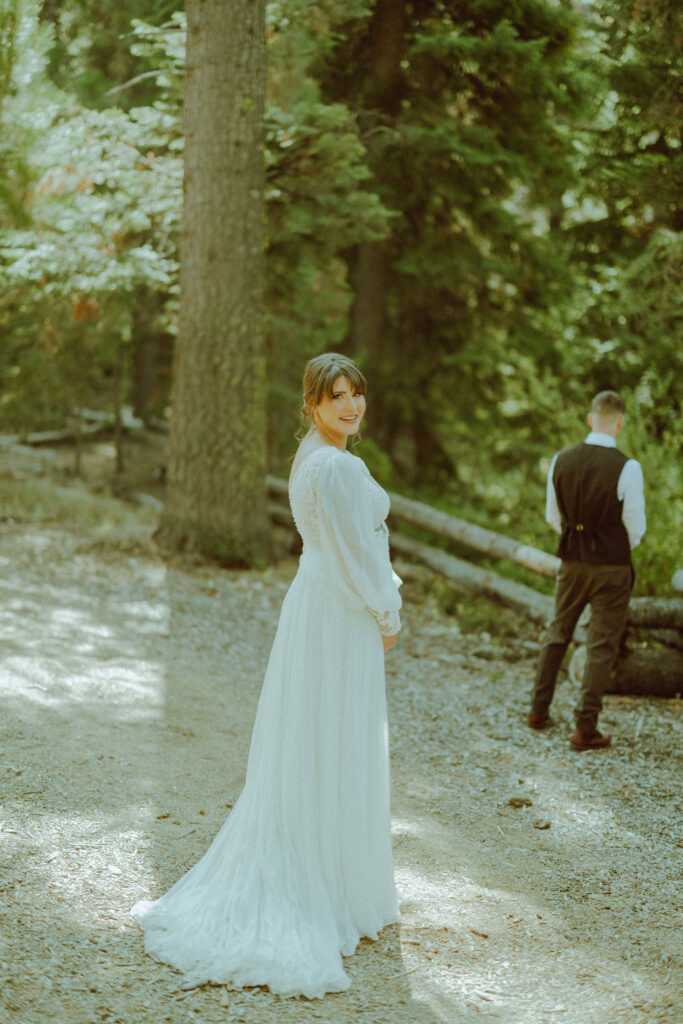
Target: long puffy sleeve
(356, 547)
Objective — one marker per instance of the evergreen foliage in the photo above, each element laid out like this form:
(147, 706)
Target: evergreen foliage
(478, 200)
(91, 53)
(473, 153)
(320, 199)
(628, 241)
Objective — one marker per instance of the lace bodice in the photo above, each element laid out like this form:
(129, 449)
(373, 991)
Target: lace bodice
(340, 512)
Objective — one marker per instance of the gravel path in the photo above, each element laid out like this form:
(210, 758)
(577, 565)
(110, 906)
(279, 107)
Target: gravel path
(128, 691)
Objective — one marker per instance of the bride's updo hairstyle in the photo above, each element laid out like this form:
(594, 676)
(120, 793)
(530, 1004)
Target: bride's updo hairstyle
(319, 379)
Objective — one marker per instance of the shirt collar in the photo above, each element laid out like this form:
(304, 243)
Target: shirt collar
(606, 440)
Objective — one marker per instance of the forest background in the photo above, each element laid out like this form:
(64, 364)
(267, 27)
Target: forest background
(478, 201)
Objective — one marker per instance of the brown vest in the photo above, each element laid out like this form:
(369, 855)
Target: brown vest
(585, 479)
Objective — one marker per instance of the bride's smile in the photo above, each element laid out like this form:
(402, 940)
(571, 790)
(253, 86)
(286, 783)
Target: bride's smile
(339, 414)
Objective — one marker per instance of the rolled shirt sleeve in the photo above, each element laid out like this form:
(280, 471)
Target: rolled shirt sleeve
(552, 509)
(631, 491)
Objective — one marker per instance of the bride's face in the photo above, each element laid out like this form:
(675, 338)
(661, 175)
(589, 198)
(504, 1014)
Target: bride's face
(339, 414)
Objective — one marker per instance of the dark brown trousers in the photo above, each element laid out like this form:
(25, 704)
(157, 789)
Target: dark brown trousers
(607, 588)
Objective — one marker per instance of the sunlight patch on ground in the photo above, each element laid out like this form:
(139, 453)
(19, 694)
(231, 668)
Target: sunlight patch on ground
(575, 816)
(70, 617)
(404, 828)
(149, 616)
(483, 956)
(138, 683)
(82, 860)
(579, 815)
(62, 649)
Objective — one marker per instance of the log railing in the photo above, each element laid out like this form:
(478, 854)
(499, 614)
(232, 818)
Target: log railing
(472, 536)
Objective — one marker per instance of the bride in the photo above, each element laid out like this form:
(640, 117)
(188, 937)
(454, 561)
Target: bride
(302, 868)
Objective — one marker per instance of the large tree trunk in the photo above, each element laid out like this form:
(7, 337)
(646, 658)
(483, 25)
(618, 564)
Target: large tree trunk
(369, 277)
(216, 499)
(370, 265)
(148, 370)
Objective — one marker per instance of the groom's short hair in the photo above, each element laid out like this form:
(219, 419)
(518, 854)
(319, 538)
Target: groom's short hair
(608, 403)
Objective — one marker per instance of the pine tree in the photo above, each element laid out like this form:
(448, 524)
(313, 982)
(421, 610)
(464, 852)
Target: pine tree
(629, 242)
(91, 53)
(465, 110)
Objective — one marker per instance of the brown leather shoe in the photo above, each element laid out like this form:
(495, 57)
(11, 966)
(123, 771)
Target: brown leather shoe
(536, 722)
(584, 741)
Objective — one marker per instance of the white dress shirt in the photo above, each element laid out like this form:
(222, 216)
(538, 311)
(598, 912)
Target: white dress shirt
(630, 490)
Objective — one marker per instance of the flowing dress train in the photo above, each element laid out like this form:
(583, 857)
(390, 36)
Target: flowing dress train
(302, 868)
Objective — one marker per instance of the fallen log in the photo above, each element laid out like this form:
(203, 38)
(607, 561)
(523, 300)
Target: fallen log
(643, 672)
(668, 637)
(85, 423)
(666, 613)
(280, 514)
(649, 672)
(494, 544)
(49, 437)
(656, 612)
(108, 419)
(535, 606)
(277, 486)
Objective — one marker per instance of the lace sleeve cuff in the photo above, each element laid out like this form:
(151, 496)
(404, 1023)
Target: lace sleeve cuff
(389, 622)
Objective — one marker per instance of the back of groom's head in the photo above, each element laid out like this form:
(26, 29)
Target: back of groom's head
(608, 404)
(607, 413)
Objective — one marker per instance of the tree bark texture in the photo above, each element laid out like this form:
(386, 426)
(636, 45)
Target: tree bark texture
(370, 265)
(369, 276)
(217, 465)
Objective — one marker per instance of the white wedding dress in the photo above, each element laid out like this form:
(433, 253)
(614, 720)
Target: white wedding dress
(303, 868)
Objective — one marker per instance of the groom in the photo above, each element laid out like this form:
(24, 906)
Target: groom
(595, 501)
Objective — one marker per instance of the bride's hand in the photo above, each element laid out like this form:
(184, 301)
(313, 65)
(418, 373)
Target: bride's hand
(389, 641)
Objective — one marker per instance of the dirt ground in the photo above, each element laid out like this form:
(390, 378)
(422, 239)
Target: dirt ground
(538, 885)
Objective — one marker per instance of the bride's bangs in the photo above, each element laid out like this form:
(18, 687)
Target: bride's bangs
(337, 370)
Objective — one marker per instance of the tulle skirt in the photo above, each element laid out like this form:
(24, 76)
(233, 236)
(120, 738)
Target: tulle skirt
(302, 868)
